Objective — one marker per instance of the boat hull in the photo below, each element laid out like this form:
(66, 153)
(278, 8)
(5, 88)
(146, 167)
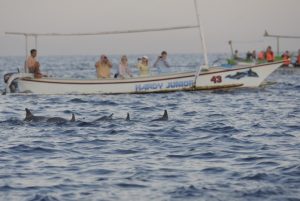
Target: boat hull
(214, 78)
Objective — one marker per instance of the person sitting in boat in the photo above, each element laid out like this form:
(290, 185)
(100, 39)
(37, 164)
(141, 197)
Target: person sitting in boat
(270, 55)
(124, 71)
(261, 55)
(286, 59)
(161, 62)
(236, 56)
(297, 64)
(143, 66)
(248, 56)
(32, 65)
(103, 67)
(254, 55)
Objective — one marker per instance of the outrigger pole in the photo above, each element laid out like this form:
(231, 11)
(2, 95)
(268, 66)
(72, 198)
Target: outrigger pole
(278, 37)
(202, 41)
(36, 35)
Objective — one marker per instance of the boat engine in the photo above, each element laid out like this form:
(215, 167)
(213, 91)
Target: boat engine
(14, 84)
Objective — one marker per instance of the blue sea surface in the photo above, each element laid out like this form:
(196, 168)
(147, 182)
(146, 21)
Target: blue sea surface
(218, 145)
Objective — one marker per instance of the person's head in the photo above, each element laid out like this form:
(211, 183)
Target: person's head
(104, 58)
(164, 54)
(124, 59)
(145, 59)
(33, 52)
(269, 48)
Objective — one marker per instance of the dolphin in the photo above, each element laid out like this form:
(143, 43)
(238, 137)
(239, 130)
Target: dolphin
(165, 117)
(33, 118)
(237, 76)
(104, 118)
(59, 120)
(251, 73)
(127, 117)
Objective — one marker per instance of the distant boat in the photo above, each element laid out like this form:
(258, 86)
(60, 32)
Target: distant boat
(206, 78)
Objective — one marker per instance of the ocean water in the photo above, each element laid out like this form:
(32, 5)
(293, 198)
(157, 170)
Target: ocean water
(223, 145)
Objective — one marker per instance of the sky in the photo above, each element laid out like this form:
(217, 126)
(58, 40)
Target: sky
(242, 21)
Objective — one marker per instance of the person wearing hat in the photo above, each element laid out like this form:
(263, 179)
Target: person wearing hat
(143, 66)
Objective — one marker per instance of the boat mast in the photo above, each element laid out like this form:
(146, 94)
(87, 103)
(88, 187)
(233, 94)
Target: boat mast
(202, 41)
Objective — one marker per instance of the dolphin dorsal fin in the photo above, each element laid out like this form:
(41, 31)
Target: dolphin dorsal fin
(73, 118)
(28, 113)
(128, 117)
(165, 116)
(109, 117)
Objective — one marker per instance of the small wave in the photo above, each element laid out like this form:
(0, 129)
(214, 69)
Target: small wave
(98, 172)
(43, 198)
(186, 192)
(27, 149)
(125, 151)
(126, 185)
(214, 170)
(257, 177)
(77, 100)
(12, 122)
(179, 156)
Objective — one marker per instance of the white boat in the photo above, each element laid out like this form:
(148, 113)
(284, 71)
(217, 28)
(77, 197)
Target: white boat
(204, 79)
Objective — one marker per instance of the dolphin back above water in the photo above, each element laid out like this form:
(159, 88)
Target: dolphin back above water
(165, 117)
(104, 118)
(32, 118)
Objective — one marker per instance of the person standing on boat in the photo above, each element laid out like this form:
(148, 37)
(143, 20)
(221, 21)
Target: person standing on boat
(161, 62)
(124, 70)
(297, 64)
(286, 59)
(270, 55)
(143, 66)
(103, 67)
(32, 65)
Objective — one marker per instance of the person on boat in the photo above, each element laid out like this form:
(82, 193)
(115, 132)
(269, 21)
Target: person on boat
(32, 65)
(143, 66)
(270, 55)
(124, 71)
(254, 55)
(236, 55)
(161, 62)
(286, 59)
(248, 56)
(103, 67)
(261, 56)
(297, 64)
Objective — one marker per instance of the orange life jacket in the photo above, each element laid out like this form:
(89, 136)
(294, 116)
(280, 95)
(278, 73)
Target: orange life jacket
(270, 56)
(261, 55)
(286, 59)
(298, 59)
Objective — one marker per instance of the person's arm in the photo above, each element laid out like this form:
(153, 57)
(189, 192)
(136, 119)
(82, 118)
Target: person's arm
(128, 71)
(97, 64)
(156, 62)
(109, 64)
(166, 63)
